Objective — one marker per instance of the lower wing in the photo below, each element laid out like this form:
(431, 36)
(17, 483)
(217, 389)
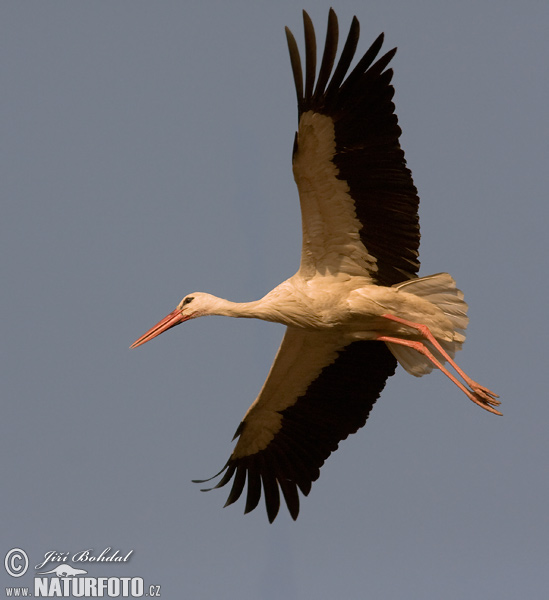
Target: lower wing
(317, 393)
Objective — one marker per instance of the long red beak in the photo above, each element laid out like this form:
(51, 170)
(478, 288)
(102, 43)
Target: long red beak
(173, 319)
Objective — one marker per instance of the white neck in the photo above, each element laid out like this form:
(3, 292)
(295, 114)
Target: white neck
(259, 309)
(278, 306)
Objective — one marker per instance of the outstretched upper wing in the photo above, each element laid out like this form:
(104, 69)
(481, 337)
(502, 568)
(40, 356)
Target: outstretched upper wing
(358, 201)
(316, 394)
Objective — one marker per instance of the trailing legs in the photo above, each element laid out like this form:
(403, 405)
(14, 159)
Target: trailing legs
(479, 394)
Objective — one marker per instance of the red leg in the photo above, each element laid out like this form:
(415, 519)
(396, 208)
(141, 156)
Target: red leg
(420, 347)
(482, 391)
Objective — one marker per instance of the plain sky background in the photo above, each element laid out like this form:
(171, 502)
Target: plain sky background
(146, 154)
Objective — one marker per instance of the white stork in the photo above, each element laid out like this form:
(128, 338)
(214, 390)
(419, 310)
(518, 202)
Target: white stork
(356, 306)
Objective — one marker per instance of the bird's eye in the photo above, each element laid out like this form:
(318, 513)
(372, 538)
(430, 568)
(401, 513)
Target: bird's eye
(187, 300)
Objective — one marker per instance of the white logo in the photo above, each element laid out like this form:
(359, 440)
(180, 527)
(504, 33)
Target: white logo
(64, 571)
(16, 562)
(65, 580)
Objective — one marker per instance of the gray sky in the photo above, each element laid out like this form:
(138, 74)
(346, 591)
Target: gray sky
(146, 154)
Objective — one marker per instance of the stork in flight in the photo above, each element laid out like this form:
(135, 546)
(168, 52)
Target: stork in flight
(355, 306)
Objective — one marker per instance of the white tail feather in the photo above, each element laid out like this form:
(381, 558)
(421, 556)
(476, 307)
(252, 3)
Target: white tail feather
(441, 290)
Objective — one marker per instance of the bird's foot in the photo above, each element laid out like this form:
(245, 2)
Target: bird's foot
(486, 394)
(484, 397)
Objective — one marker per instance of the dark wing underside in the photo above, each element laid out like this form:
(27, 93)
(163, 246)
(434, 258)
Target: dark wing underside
(336, 403)
(366, 154)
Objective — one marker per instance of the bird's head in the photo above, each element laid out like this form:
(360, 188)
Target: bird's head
(193, 305)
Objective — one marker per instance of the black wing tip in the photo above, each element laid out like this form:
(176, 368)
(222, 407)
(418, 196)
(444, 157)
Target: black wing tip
(212, 477)
(268, 480)
(325, 90)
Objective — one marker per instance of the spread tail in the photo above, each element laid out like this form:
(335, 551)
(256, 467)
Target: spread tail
(441, 290)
